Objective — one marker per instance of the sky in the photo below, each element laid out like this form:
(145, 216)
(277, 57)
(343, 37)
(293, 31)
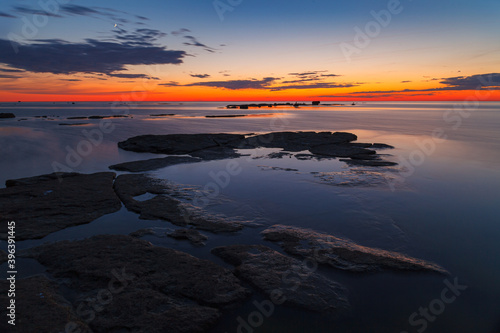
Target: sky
(249, 50)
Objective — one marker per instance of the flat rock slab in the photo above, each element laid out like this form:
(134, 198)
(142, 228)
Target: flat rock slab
(164, 206)
(134, 286)
(194, 236)
(298, 141)
(178, 143)
(44, 204)
(283, 279)
(223, 146)
(343, 253)
(40, 307)
(153, 164)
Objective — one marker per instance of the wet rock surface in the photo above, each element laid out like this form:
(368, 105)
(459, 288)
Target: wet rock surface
(342, 253)
(153, 164)
(165, 206)
(142, 288)
(44, 204)
(194, 236)
(40, 307)
(6, 115)
(283, 279)
(178, 143)
(223, 146)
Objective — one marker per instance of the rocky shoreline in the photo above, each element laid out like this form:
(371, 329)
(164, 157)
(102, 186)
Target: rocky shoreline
(136, 286)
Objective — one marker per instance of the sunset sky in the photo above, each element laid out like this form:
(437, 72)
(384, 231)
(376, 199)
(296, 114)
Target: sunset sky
(249, 50)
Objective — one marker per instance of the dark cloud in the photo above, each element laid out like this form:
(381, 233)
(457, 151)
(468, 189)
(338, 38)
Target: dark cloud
(79, 10)
(180, 32)
(130, 76)
(306, 73)
(489, 81)
(31, 11)
(319, 85)
(8, 76)
(473, 81)
(71, 80)
(405, 81)
(142, 18)
(2, 14)
(195, 42)
(170, 84)
(237, 84)
(8, 70)
(92, 56)
(200, 76)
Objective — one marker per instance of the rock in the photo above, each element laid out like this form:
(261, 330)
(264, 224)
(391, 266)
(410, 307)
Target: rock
(298, 141)
(40, 307)
(162, 115)
(73, 124)
(153, 164)
(177, 143)
(343, 253)
(144, 288)
(44, 204)
(217, 153)
(164, 206)
(195, 237)
(283, 279)
(340, 150)
(71, 118)
(7, 115)
(142, 232)
(3, 256)
(227, 116)
(373, 163)
(381, 146)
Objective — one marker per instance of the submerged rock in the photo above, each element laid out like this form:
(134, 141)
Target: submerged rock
(165, 206)
(40, 307)
(153, 164)
(367, 162)
(283, 279)
(43, 204)
(138, 287)
(194, 236)
(343, 253)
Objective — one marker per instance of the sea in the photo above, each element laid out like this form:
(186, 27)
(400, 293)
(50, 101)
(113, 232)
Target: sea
(441, 203)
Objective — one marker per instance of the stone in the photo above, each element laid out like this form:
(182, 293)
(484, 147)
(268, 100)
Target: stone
(138, 287)
(40, 307)
(3, 256)
(177, 143)
(153, 164)
(295, 282)
(166, 207)
(367, 162)
(194, 236)
(343, 253)
(7, 115)
(340, 150)
(43, 204)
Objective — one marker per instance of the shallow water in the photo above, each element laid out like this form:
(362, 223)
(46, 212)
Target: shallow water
(440, 203)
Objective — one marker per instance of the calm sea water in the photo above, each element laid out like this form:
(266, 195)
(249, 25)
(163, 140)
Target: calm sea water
(440, 204)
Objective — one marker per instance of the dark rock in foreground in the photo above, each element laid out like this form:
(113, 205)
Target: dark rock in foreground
(40, 307)
(153, 164)
(194, 236)
(7, 115)
(340, 150)
(367, 162)
(44, 204)
(283, 279)
(142, 288)
(343, 253)
(165, 206)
